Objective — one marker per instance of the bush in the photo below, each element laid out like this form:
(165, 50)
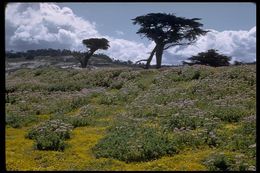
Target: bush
(50, 142)
(186, 139)
(68, 105)
(17, 121)
(229, 114)
(211, 58)
(116, 84)
(50, 135)
(183, 121)
(130, 142)
(218, 162)
(223, 162)
(244, 139)
(79, 121)
(107, 99)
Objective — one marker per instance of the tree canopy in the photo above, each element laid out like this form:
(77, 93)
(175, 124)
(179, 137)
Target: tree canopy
(96, 43)
(93, 44)
(211, 58)
(167, 30)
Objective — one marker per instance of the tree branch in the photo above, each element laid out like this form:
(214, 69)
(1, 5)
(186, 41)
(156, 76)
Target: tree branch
(178, 44)
(141, 60)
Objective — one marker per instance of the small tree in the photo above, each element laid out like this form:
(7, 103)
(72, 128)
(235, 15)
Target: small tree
(211, 58)
(238, 63)
(167, 30)
(93, 44)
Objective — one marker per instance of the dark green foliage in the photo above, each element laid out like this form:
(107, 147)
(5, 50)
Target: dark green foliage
(219, 163)
(130, 142)
(96, 43)
(69, 105)
(17, 121)
(184, 121)
(211, 58)
(244, 139)
(116, 85)
(79, 121)
(50, 142)
(85, 117)
(30, 54)
(167, 30)
(229, 114)
(224, 162)
(93, 44)
(75, 121)
(196, 75)
(183, 139)
(50, 135)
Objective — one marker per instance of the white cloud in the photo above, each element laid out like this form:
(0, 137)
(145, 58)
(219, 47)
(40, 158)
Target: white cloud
(128, 50)
(48, 22)
(46, 25)
(241, 45)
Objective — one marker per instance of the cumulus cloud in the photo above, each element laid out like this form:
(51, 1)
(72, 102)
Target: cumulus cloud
(40, 23)
(46, 25)
(128, 50)
(240, 45)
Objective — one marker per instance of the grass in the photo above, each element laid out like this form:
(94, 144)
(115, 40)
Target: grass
(179, 118)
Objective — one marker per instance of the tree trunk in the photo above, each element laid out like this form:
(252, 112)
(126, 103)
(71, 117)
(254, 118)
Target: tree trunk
(159, 53)
(84, 61)
(83, 64)
(150, 58)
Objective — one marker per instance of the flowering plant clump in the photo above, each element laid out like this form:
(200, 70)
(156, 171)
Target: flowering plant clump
(224, 162)
(131, 142)
(50, 135)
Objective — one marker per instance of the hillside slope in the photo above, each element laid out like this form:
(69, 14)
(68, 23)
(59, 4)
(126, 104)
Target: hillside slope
(181, 118)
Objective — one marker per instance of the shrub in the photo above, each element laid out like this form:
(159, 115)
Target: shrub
(196, 75)
(184, 121)
(144, 111)
(186, 139)
(84, 118)
(130, 142)
(79, 121)
(50, 135)
(116, 84)
(107, 99)
(68, 105)
(244, 139)
(14, 121)
(223, 162)
(229, 114)
(17, 121)
(50, 142)
(211, 58)
(218, 162)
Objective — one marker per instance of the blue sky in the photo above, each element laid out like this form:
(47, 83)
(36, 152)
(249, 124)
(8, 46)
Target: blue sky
(117, 16)
(63, 25)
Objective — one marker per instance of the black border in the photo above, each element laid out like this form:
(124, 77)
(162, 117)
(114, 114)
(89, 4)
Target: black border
(2, 62)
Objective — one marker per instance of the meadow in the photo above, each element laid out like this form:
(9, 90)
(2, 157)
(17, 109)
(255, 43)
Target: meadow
(175, 118)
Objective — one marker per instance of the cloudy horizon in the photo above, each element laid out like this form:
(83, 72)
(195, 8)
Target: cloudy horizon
(60, 26)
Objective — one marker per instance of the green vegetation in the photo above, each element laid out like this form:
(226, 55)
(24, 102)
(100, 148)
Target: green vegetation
(50, 135)
(129, 141)
(180, 118)
(211, 58)
(167, 30)
(93, 44)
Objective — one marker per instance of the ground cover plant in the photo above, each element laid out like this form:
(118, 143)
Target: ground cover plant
(178, 118)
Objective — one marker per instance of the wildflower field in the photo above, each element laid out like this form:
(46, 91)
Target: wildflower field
(178, 118)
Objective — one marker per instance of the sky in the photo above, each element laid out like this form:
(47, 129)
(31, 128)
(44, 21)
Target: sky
(64, 25)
